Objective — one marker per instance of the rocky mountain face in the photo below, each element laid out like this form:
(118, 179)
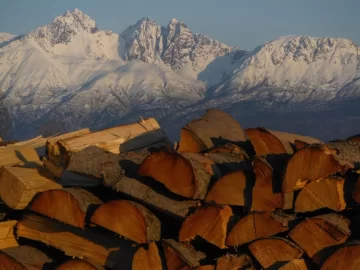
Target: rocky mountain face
(70, 74)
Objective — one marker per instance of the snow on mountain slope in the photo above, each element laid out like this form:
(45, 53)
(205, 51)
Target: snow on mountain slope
(5, 37)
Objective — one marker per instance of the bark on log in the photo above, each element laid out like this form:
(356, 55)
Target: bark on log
(214, 128)
(254, 226)
(356, 192)
(269, 251)
(355, 138)
(181, 255)
(327, 192)
(68, 205)
(77, 264)
(96, 162)
(18, 186)
(319, 161)
(346, 257)
(296, 264)
(128, 219)
(185, 174)
(147, 259)
(21, 156)
(238, 261)
(7, 237)
(210, 223)
(315, 235)
(22, 258)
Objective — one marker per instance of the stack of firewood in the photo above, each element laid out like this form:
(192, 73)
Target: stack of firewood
(220, 198)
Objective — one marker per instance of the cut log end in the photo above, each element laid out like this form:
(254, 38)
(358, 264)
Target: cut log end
(265, 143)
(346, 257)
(296, 264)
(147, 259)
(77, 264)
(7, 236)
(210, 223)
(128, 219)
(239, 261)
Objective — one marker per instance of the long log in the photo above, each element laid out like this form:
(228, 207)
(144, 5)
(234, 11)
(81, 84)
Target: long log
(68, 205)
(21, 156)
(186, 174)
(111, 139)
(18, 186)
(254, 226)
(319, 161)
(269, 251)
(327, 192)
(96, 162)
(7, 236)
(93, 245)
(214, 128)
(210, 223)
(181, 255)
(22, 258)
(77, 264)
(317, 234)
(128, 219)
(231, 261)
(346, 257)
(147, 259)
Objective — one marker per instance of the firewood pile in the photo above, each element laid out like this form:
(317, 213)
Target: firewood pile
(221, 198)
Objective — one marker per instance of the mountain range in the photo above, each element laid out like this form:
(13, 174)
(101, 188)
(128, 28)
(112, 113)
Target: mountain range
(70, 74)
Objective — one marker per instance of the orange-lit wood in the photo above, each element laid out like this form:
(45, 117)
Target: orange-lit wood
(296, 264)
(345, 257)
(254, 226)
(209, 222)
(7, 236)
(147, 259)
(128, 219)
(264, 142)
(77, 264)
(68, 205)
(269, 251)
(22, 156)
(239, 261)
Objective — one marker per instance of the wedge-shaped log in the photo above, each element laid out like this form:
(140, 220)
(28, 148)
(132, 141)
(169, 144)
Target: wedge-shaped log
(7, 237)
(269, 251)
(315, 235)
(98, 247)
(327, 192)
(254, 226)
(185, 174)
(214, 128)
(111, 139)
(147, 259)
(68, 205)
(181, 255)
(345, 257)
(97, 162)
(238, 261)
(356, 192)
(22, 156)
(210, 223)
(128, 219)
(18, 186)
(319, 161)
(22, 258)
(77, 264)
(296, 264)
(233, 189)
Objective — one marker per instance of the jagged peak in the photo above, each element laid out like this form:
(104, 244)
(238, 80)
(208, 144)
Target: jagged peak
(76, 19)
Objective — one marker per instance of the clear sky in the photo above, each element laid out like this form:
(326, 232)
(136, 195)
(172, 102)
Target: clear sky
(243, 23)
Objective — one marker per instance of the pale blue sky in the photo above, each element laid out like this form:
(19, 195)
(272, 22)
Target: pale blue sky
(243, 23)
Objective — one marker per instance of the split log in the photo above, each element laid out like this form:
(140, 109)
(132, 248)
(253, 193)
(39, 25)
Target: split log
(77, 264)
(96, 162)
(238, 261)
(22, 258)
(254, 226)
(214, 128)
(95, 246)
(210, 223)
(346, 257)
(111, 139)
(36, 142)
(52, 147)
(265, 197)
(21, 156)
(147, 259)
(296, 264)
(356, 192)
(128, 219)
(186, 174)
(7, 237)
(327, 192)
(300, 144)
(18, 186)
(269, 251)
(316, 235)
(68, 205)
(232, 189)
(319, 161)
(181, 255)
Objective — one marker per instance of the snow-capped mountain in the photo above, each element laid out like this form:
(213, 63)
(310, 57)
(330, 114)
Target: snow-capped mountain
(71, 74)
